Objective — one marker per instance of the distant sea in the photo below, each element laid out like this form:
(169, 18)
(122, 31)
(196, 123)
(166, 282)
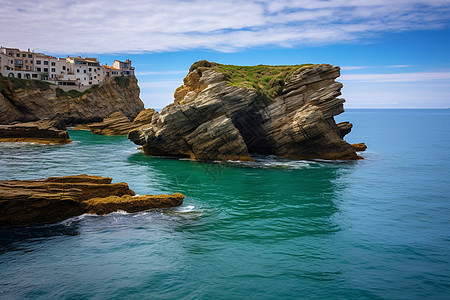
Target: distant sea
(377, 228)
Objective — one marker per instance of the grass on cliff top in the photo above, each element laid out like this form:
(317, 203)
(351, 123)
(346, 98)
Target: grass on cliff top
(18, 83)
(269, 80)
(75, 93)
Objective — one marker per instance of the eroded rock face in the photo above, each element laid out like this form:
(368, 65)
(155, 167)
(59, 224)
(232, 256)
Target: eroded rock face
(118, 124)
(31, 101)
(28, 202)
(213, 120)
(43, 132)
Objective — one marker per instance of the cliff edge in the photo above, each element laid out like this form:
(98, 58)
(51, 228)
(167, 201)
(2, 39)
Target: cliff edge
(224, 112)
(32, 100)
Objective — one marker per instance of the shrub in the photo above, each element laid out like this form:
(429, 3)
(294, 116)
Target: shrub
(198, 64)
(122, 81)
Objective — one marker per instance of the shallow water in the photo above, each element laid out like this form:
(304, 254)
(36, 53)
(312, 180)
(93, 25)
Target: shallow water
(372, 229)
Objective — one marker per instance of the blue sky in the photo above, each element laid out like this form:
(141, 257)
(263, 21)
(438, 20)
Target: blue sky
(393, 54)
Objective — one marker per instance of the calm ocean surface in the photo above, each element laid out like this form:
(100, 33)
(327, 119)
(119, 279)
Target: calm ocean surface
(378, 228)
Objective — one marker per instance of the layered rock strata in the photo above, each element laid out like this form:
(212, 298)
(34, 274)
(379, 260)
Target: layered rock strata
(30, 100)
(212, 119)
(28, 202)
(43, 132)
(118, 124)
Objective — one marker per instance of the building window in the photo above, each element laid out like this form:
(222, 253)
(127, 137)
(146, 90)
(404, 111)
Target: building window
(64, 68)
(38, 62)
(38, 69)
(84, 71)
(27, 67)
(26, 61)
(90, 82)
(24, 55)
(53, 63)
(30, 56)
(46, 63)
(53, 70)
(95, 77)
(78, 70)
(18, 55)
(34, 75)
(90, 69)
(45, 69)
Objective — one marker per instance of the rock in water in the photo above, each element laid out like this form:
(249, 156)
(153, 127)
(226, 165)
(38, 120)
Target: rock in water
(31, 100)
(118, 124)
(226, 112)
(28, 202)
(43, 132)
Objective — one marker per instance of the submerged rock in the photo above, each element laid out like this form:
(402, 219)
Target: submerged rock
(118, 124)
(229, 112)
(43, 132)
(28, 202)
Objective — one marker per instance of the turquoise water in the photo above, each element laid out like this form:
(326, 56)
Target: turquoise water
(274, 229)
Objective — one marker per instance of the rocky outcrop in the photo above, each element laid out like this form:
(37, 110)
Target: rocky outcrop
(360, 147)
(216, 118)
(31, 100)
(43, 132)
(28, 202)
(118, 124)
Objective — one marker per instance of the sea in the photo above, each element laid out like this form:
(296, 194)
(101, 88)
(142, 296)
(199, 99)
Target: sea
(377, 228)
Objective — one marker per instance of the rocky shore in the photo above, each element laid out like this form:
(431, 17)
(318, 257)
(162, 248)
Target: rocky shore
(226, 112)
(42, 132)
(118, 124)
(28, 202)
(33, 100)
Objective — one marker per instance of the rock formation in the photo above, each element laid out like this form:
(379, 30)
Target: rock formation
(31, 100)
(359, 147)
(43, 132)
(28, 202)
(228, 112)
(118, 124)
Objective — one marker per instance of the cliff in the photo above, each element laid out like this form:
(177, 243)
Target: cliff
(28, 202)
(118, 124)
(31, 100)
(226, 112)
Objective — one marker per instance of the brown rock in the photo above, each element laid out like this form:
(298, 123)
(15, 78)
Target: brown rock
(102, 206)
(44, 132)
(28, 100)
(27, 202)
(118, 124)
(359, 147)
(214, 120)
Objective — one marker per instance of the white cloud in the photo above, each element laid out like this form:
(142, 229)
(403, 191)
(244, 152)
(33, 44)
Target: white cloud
(112, 26)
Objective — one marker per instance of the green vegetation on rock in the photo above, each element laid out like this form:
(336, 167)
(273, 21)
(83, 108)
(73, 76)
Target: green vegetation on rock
(18, 83)
(74, 93)
(269, 80)
(122, 81)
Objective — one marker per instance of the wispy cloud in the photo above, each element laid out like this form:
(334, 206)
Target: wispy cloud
(399, 66)
(397, 77)
(112, 26)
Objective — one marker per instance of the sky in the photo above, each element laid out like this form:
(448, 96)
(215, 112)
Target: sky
(392, 53)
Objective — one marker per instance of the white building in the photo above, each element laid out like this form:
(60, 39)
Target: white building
(74, 71)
